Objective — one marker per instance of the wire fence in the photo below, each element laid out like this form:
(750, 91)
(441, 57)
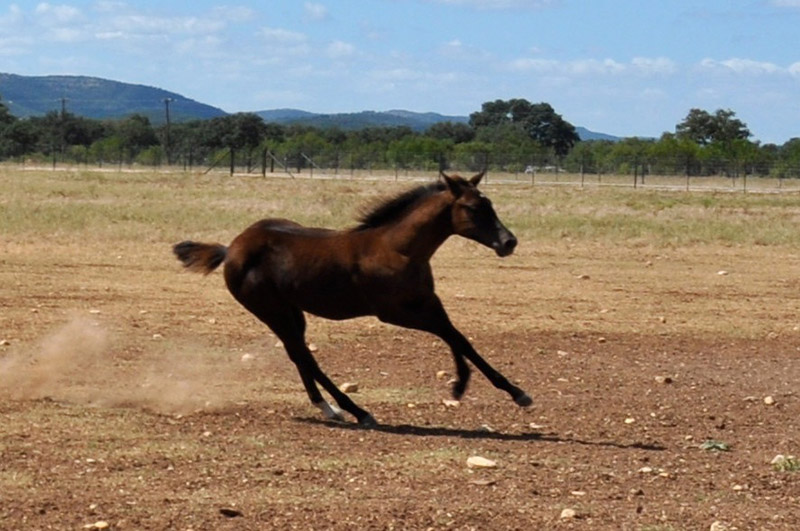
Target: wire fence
(274, 167)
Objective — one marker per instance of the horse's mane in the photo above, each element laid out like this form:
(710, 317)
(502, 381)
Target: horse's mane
(393, 208)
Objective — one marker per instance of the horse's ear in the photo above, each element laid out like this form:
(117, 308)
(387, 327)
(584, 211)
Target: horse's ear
(452, 183)
(475, 179)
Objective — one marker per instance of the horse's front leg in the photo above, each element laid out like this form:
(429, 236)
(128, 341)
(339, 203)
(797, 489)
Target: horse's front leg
(462, 348)
(429, 315)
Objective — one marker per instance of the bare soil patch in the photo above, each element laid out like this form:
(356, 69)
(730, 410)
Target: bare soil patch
(138, 395)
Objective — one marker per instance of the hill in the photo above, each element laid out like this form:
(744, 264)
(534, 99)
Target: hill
(416, 121)
(97, 98)
(585, 134)
(358, 120)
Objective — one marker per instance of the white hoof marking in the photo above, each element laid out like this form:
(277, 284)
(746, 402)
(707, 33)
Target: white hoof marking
(331, 412)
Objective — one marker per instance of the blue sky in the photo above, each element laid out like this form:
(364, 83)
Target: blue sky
(623, 67)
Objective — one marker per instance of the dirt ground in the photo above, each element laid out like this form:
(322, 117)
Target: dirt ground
(665, 382)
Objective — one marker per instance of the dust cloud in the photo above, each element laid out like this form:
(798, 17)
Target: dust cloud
(78, 363)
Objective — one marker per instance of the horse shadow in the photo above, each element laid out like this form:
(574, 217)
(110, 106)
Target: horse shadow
(479, 434)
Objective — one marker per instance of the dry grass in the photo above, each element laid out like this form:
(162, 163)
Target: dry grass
(99, 315)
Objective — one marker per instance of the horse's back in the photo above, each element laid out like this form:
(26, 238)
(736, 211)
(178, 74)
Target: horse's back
(310, 268)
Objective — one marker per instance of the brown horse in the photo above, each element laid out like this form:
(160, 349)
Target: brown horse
(278, 269)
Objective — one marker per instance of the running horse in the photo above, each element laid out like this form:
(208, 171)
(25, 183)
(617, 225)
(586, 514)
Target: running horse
(278, 269)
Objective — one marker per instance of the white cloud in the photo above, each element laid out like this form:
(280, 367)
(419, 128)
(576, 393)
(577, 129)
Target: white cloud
(644, 66)
(594, 66)
(13, 16)
(537, 65)
(501, 4)
(283, 36)
(741, 66)
(315, 11)
(786, 3)
(339, 49)
(282, 44)
(657, 65)
(60, 14)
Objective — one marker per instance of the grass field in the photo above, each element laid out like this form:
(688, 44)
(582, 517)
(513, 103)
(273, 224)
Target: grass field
(643, 322)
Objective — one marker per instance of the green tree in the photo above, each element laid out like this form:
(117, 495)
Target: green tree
(135, 134)
(704, 128)
(539, 121)
(19, 138)
(676, 155)
(455, 132)
(6, 118)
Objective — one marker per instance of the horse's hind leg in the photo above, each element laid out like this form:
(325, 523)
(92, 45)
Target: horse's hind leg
(293, 336)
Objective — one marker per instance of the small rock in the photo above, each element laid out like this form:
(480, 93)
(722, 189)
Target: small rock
(722, 273)
(441, 375)
(485, 428)
(778, 459)
(279, 344)
(601, 339)
(247, 358)
(738, 488)
(349, 387)
(212, 321)
(4, 342)
(630, 420)
(94, 312)
(483, 482)
(662, 320)
(768, 400)
(477, 461)
(583, 277)
(562, 353)
(312, 347)
(715, 446)
(568, 514)
(156, 337)
(102, 524)
(646, 470)
(663, 379)
(718, 526)
(578, 493)
(230, 513)
(450, 403)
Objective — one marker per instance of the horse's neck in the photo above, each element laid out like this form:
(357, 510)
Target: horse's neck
(423, 230)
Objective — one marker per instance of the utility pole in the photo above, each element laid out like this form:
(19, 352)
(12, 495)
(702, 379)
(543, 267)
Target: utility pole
(167, 101)
(62, 126)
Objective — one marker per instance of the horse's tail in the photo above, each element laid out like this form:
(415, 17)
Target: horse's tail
(200, 257)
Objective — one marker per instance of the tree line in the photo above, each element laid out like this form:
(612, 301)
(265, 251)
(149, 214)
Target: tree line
(509, 135)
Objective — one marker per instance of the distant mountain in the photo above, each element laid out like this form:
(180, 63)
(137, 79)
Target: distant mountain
(358, 120)
(97, 98)
(416, 121)
(585, 134)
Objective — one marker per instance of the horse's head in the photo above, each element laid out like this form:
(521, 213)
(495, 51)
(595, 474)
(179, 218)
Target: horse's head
(474, 217)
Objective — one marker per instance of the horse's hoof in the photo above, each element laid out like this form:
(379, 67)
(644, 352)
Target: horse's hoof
(367, 421)
(330, 411)
(524, 400)
(458, 390)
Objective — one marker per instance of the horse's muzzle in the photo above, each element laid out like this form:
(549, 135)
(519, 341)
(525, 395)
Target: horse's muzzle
(506, 245)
